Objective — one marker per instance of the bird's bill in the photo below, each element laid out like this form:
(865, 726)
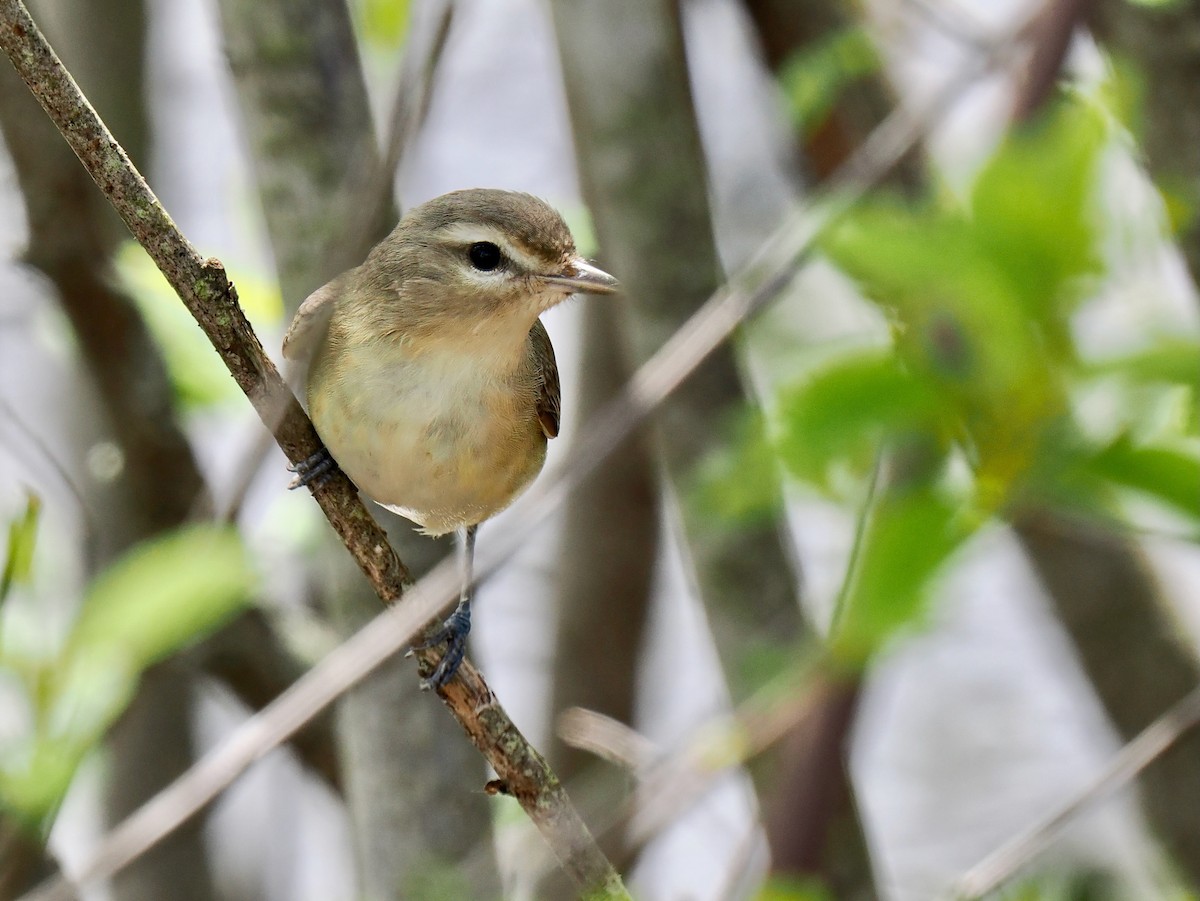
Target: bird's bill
(582, 277)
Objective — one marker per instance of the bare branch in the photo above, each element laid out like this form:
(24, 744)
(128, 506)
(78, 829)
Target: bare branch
(1154, 741)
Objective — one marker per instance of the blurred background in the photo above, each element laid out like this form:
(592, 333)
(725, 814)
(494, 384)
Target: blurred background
(887, 581)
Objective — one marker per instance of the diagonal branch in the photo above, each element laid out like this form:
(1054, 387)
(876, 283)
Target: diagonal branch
(209, 296)
(1001, 866)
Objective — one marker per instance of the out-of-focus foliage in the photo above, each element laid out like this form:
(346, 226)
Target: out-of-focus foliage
(1085, 885)
(813, 79)
(781, 889)
(1164, 4)
(197, 374)
(738, 481)
(983, 371)
(18, 554)
(383, 23)
(160, 597)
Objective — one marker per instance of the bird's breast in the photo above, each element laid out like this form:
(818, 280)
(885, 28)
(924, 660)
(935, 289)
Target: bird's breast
(443, 438)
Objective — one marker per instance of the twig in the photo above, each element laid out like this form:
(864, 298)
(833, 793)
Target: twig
(671, 783)
(1050, 35)
(212, 300)
(1150, 744)
(203, 284)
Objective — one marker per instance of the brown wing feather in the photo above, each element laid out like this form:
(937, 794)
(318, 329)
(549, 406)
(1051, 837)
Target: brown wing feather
(549, 394)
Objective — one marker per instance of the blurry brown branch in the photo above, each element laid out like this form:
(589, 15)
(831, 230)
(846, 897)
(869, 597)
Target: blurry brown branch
(1160, 41)
(755, 287)
(1050, 36)
(786, 28)
(1114, 610)
(212, 300)
(990, 874)
(671, 781)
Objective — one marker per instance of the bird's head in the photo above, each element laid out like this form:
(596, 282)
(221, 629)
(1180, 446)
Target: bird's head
(480, 257)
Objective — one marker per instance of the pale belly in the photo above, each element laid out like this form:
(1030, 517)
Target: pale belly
(438, 445)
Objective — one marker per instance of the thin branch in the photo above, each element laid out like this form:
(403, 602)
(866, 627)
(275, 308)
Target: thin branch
(1150, 744)
(1050, 36)
(201, 283)
(212, 300)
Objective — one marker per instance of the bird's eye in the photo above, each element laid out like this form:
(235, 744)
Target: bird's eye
(484, 256)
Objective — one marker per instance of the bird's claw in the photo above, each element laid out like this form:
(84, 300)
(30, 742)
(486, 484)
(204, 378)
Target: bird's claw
(313, 471)
(453, 634)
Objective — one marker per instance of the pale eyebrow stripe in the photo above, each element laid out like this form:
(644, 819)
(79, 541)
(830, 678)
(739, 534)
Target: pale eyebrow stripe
(470, 233)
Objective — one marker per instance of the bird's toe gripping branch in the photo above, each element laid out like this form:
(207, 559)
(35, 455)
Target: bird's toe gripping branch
(313, 471)
(453, 634)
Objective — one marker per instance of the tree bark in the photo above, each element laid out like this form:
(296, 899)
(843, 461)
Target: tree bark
(1161, 41)
(1130, 647)
(645, 181)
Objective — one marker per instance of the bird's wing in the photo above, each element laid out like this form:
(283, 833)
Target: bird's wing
(549, 395)
(311, 323)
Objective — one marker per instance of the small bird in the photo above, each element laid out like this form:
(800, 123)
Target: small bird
(431, 380)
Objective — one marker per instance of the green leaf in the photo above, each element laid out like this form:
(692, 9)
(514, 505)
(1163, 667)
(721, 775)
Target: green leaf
(790, 888)
(165, 594)
(910, 534)
(384, 22)
(739, 481)
(1033, 207)
(22, 538)
(1168, 475)
(1171, 361)
(959, 321)
(838, 415)
(156, 599)
(197, 373)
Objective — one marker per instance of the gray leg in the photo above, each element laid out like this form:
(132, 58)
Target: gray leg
(454, 631)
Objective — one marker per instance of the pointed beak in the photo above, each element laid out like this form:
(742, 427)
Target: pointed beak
(581, 277)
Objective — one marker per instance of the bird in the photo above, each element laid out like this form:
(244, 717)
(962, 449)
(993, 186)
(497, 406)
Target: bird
(432, 382)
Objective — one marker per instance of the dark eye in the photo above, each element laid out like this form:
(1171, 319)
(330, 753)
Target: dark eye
(485, 256)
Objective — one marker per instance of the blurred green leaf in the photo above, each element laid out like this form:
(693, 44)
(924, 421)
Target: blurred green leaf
(957, 320)
(813, 78)
(739, 481)
(839, 414)
(197, 373)
(158, 598)
(909, 535)
(33, 780)
(1033, 207)
(1170, 361)
(785, 888)
(583, 230)
(1170, 476)
(383, 22)
(22, 539)
(164, 594)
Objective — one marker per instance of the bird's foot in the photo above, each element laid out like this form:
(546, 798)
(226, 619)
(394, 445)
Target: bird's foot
(315, 470)
(453, 634)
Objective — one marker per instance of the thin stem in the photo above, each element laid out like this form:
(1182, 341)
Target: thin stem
(1150, 744)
